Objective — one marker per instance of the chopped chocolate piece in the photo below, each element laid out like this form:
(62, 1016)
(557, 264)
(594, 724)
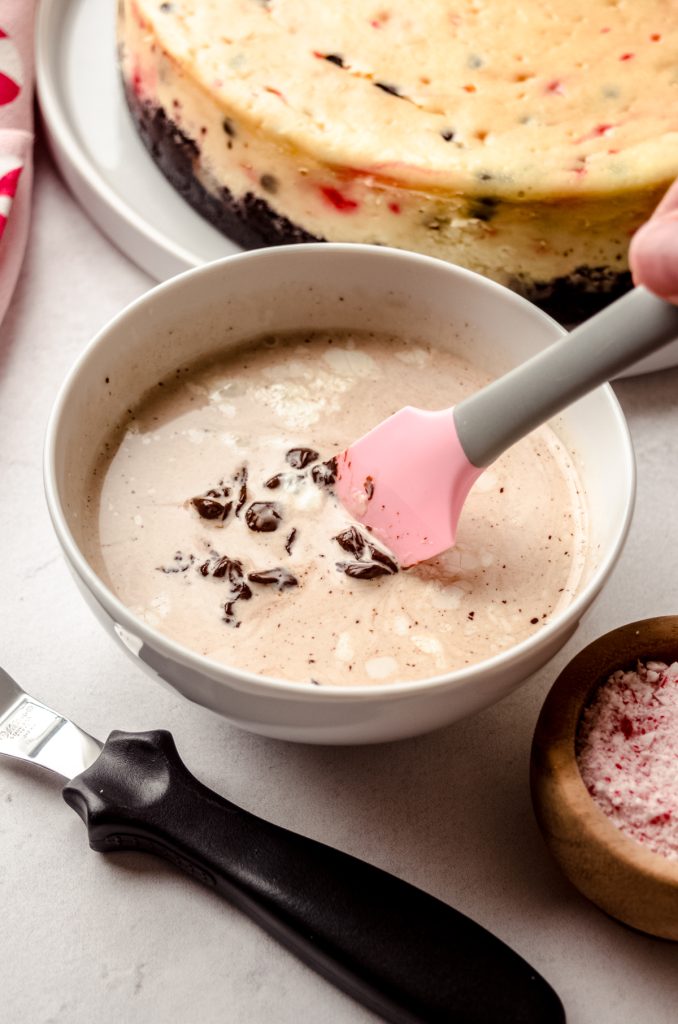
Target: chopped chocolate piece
(231, 570)
(368, 486)
(228, 127)
(352, 540)
(208, 508)
(220, 491)
(334, 58)
(241, 478)
(274, 482)
(363, 570)
(381, 564)
(263, 516)
(291, 537)
(181, 563)
(280, 578)
(222, 566)
(229, 614)
(382, 558)
(299, 458)
(325, 474)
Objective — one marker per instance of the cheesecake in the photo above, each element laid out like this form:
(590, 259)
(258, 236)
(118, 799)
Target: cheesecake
(526, 142)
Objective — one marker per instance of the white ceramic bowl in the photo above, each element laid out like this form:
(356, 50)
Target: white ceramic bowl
(319, 287)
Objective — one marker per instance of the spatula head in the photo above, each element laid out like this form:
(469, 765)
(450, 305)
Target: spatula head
(406, 481)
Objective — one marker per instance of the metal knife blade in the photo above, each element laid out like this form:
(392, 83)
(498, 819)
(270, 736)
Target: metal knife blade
(30, 731)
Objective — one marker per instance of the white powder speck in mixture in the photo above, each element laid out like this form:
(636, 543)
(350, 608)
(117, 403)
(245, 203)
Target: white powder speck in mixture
(161, 605)
(381, 668)
(344, 649)
(195, 436)
(352, 363)
(297, 406)
(401, 625)
(418, 357)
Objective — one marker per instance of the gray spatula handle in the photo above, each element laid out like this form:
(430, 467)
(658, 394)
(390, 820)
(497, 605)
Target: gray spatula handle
(496, 417)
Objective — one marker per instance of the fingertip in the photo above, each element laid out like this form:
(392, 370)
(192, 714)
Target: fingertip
(653, 256)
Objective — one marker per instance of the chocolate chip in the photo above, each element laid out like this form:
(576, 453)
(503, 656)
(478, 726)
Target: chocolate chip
(363, 570)
(325, 474)
(208, 508)
(269, 183)
(292, 536)
(368, 486)
(334, 58)
(393, 90)
(263, 516)
(274, 482)
(299, 458)
(166, 8)
(351, 540)
(483, 208)
(280, 578)
(447, 134)
(229, 127)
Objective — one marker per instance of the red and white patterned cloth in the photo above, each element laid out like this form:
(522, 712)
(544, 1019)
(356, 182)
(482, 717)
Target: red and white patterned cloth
(16, 138)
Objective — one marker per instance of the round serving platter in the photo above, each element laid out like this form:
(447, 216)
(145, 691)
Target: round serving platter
(105, 164)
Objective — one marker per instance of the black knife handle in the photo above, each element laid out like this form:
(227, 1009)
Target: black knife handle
(402, 953)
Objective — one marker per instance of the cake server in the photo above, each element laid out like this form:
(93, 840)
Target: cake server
(402, 953)
(408, 478)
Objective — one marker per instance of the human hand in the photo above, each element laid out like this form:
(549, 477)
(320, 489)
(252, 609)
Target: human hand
(653, 254)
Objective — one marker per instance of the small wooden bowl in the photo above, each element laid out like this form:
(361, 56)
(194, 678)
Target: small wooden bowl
(615, 872)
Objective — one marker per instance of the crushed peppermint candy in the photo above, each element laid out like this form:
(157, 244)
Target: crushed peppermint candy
(627, 751)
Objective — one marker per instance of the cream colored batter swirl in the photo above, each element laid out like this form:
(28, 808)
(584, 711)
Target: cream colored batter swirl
(262, 570)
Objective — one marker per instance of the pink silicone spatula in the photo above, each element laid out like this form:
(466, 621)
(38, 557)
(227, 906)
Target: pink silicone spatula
(408, 478)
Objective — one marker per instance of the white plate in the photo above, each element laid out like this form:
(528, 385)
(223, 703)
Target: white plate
(104, 162)
(97, 149)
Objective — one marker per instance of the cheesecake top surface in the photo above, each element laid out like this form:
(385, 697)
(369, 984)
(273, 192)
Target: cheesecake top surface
(544, 99)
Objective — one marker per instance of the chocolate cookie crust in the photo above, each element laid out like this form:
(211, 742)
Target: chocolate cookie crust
(249, 221)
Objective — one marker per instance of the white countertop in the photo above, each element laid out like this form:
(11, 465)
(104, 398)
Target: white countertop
(126, 937)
